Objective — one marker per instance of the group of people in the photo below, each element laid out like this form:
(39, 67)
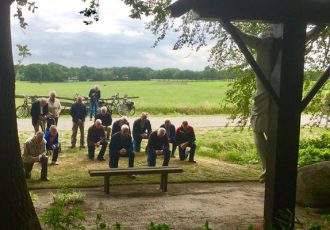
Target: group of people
(117, 135)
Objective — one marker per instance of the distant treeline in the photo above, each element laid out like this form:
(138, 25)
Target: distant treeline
(53, 72)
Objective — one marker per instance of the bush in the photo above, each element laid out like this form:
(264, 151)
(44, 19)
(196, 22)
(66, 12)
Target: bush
(314, 150)
(67, 196)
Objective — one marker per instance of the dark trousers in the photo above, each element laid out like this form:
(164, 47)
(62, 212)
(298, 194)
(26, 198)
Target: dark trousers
(55, 152)
(51, 121)
(91, 150)
(183, 153)
(114, 159)
(152, 157)
(137, 144)
(174, 146)
(44, 168)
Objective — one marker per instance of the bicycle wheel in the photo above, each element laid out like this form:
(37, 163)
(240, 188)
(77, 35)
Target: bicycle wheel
(131, 112)
(123, 110)
(20, 111)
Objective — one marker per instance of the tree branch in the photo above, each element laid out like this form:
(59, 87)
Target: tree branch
(314, 33)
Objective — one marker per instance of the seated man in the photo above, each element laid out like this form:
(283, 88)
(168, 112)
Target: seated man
(52, 144)
(106, 119)
(170, 131)
(185, 137)
(95, 138)
(121, 146)
(35, 151)
(158, 145)
(116, 127)
(141, 130)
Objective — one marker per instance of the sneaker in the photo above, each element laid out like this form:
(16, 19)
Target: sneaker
(54, 163)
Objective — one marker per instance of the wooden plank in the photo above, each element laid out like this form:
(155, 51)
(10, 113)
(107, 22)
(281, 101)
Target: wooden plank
(128, 171)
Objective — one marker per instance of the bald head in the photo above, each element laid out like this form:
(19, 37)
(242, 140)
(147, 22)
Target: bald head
(39, 136)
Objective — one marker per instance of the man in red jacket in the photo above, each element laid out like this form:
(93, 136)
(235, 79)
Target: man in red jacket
(185, 137)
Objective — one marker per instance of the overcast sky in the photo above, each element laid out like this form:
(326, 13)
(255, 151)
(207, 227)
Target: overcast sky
(56, 33)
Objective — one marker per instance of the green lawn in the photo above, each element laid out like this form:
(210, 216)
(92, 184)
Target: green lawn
(223, 154)
(157, 97)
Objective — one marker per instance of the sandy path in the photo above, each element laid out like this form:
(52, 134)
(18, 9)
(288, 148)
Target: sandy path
(65, 123)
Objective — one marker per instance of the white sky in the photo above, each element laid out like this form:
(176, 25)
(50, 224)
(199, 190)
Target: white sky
(56, 33)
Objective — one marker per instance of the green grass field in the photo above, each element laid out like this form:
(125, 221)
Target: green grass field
(157, 97)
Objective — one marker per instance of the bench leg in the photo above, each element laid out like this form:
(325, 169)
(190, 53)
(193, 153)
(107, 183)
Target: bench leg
(162, 181)
(107, 184)
(163, 184)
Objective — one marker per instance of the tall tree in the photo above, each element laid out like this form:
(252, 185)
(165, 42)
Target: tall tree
(17, 211)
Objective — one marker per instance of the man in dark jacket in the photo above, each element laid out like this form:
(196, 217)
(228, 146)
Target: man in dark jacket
(39, 112)
(121, 146)
(185, 137)
(94, 96)
(141, 130)
(170, 131)
(78, 114)
(116, 126)
(106, 119)
(158, 145)
(95, 138)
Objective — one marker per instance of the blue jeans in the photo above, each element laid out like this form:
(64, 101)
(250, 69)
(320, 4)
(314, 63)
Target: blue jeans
(91, 150)
(137, 144)
(114, 159)
(93, 109)
(183, 153)
(152, 157)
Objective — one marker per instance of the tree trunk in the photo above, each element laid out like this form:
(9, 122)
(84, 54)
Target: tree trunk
(17, 211)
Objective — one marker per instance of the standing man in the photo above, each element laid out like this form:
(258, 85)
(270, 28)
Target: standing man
(95, 138)
(158, 145)
(39, 112)
(54, 109)
(35, 151)
(121, 146)
(52, 144)
(106, 119)
(78, 114)
(116, 127)
(170, 131)
(141, 130)
(185, 137)
(94, 96)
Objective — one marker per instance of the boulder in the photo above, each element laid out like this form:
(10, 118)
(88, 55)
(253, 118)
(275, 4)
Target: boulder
(313, 185)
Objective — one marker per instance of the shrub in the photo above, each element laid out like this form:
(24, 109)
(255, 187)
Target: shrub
(67, 196)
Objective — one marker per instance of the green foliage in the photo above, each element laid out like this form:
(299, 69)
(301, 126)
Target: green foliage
(59, 217)
(205, 226)
(153, 226)
(68, 196)
(34, 197)
(100, 223)
(314, 150)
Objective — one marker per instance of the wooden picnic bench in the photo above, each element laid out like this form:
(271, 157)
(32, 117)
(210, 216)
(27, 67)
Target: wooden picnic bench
(106, 173)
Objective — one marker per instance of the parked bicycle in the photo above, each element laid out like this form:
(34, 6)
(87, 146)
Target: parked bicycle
(23, 110)
(119, 105)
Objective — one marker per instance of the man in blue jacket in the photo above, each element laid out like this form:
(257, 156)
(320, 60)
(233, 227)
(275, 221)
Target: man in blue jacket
(121, 146)
(78, 114)
(170, 131)
(141, 130)
(158, 145)
(52, 144)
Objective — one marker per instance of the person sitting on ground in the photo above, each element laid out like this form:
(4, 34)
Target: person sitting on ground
(54, 109)
(141, 130)
(185, 137)
(116, 126)
(39, 112)
(78, 114)
(106, 119)
(52, 144)
(35, 151)
(95, 138)
(158, 145)
(121, 145)
(170, 131)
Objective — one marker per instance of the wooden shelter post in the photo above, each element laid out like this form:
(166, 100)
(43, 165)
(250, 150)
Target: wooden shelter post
(284, 126)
